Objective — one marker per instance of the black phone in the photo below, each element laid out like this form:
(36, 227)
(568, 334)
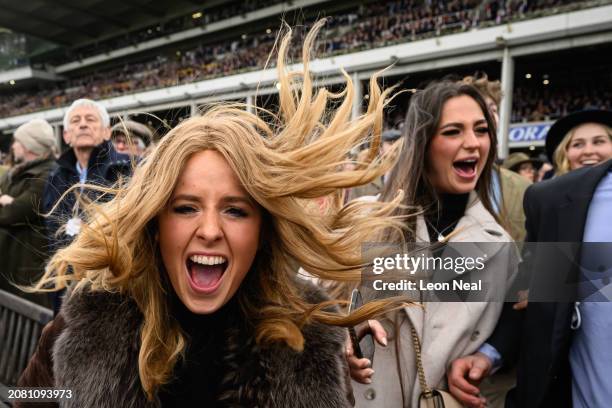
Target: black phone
(364, 347)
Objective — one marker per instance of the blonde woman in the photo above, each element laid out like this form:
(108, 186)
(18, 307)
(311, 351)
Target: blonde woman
(183, 289)
(580, 139)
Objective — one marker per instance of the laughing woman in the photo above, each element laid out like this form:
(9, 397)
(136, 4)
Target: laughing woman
(182, 289)
(445, 171)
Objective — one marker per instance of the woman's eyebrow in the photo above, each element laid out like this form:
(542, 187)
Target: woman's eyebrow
(186, 197)
(452, 124)
(237, 199)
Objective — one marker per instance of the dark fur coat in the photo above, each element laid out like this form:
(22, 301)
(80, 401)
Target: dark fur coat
(95, 354)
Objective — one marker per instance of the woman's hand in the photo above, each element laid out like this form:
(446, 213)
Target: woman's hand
(361, 368)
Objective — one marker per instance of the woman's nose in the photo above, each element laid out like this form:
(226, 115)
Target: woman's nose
(210, 227)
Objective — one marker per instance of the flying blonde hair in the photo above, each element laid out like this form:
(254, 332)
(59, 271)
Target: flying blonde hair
(282, 168)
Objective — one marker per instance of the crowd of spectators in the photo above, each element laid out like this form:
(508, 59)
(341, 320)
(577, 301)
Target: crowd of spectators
(367, 26)
(166, 28)
(533, 105)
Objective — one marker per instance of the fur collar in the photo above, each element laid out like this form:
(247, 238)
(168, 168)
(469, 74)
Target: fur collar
(96, 356)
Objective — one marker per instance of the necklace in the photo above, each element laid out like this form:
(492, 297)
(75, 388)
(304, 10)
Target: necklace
(441, 237)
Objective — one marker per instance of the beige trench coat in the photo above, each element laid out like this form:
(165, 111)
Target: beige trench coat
(447, 330)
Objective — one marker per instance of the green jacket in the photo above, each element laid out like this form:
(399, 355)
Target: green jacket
(513, 188)
(23, 241)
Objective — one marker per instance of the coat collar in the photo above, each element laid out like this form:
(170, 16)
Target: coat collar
(476, 225)
(103, 155)
(103, 328)
(32, 168)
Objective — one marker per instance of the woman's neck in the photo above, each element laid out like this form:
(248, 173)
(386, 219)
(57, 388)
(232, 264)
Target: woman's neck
(443, 217)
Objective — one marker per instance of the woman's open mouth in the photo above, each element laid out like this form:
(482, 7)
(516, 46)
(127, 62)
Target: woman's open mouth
(206, 272)
(466, 168)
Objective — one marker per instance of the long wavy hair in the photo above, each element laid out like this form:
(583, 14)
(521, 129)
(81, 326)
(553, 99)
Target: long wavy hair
(410, 173)
(283, 167)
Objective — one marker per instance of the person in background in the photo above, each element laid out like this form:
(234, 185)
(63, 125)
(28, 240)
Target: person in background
(546, 170)
(131, 138)
(521, 164)
(560, 347)
(389, 137)
(23, 242)
(580, 139)
(4, 164)
(91, 159)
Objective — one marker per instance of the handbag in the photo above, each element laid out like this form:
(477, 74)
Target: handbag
(430, 397)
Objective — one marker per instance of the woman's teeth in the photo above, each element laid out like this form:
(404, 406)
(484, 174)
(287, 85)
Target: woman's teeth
(207, 260)
(589, 162)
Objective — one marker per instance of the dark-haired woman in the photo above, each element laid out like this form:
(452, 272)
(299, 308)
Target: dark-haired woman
(445, 171)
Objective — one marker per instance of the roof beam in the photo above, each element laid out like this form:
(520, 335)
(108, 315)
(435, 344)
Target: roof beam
(90, 12)
(147, 8)
(45, 21)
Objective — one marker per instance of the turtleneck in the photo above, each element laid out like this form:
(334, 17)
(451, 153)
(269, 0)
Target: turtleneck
(197, 377)
(443, 219)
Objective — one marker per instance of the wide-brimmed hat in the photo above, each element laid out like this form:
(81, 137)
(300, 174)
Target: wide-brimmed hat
(135, 129)
(559, 129)
(514, 160)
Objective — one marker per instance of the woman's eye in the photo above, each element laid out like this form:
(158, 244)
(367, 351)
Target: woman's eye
(236, 212)
(482, 130)
(451, 132)
(184, 209)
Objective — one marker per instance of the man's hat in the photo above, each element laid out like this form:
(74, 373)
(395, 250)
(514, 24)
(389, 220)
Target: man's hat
(134, 128)
(561, 127)
(514, 160)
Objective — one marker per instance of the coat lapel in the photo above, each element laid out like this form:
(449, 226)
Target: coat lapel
(479, 234)
(573, 211)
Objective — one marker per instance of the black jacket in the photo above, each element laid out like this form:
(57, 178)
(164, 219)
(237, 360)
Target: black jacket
(104, 168)
(539, 337)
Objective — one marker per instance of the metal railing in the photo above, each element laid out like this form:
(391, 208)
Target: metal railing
(21, 324)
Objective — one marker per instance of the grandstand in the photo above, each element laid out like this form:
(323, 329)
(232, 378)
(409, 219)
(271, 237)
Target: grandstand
(149, 56)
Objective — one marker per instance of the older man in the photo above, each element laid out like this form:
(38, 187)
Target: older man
(91, 160)
(22, 241)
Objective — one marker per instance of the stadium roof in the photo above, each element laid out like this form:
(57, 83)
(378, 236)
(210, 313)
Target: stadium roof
(71, 23)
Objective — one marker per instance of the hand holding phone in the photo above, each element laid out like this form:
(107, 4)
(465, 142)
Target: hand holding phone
(362, 336)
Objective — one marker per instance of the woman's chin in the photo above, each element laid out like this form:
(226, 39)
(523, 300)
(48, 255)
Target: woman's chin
(460, 188)
(204, 307)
